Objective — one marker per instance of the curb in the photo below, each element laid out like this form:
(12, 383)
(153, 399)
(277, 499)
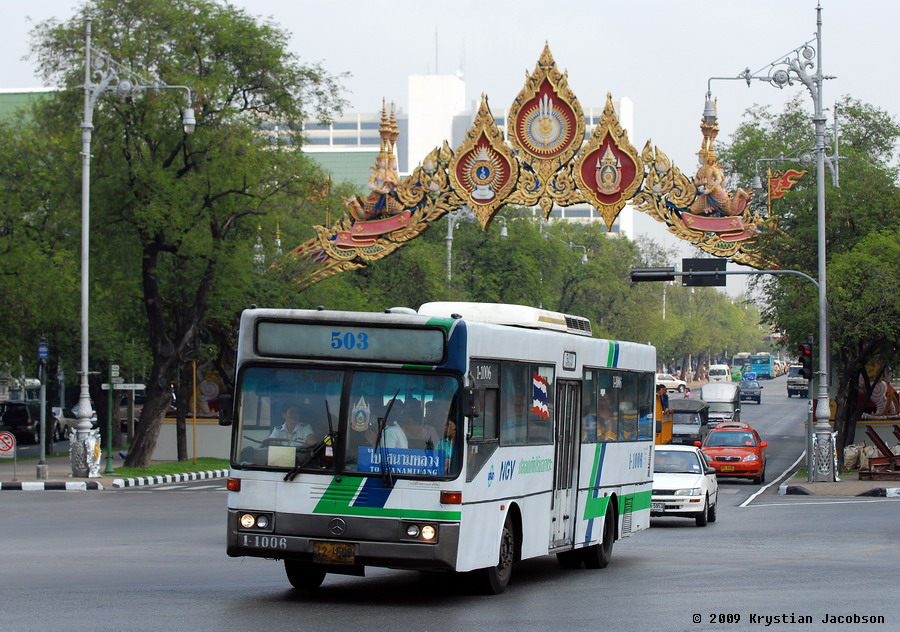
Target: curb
(879, 492)
(168, 478)
(793, 490)
(71, 486)
(883, 492)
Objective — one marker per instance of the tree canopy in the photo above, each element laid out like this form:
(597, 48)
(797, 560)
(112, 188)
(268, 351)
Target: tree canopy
(180, 211)
(861, 227)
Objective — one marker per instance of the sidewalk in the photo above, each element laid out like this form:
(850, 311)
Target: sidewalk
(23, 476)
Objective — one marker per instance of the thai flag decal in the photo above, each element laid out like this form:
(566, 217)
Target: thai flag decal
(539, 402)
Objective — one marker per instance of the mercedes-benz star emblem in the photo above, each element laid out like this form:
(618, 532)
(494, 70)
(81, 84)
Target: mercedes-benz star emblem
(337, 526)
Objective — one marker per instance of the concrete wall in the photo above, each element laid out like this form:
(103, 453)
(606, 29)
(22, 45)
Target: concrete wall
(213, 440)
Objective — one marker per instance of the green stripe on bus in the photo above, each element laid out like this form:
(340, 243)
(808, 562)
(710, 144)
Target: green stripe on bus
(444, 323)
(611, 358)
(342, 490)
(640, 501)
(595, 507)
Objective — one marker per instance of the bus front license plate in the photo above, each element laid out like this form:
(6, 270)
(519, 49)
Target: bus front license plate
(727, 468)
(333, 553)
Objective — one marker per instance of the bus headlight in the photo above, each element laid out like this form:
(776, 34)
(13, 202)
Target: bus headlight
(419, 532)
(256, 521)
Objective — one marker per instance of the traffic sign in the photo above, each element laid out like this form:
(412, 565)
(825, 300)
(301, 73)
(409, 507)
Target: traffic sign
(124, 387)
(7, 445)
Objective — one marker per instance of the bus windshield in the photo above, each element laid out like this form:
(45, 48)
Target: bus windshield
(343, 420)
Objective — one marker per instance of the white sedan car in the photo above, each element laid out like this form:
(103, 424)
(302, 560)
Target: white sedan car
(671, 382)
(683, 485)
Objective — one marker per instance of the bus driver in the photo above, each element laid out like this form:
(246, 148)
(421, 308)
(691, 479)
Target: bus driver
(291, 432)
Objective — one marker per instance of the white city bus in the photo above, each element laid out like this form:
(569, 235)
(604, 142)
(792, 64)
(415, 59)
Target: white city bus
(462, 437)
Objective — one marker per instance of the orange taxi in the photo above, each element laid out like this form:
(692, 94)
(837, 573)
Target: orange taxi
(733, 448)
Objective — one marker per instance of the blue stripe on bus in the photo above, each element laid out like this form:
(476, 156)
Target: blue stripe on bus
(616, 357)
(594, 493)
(373, 494)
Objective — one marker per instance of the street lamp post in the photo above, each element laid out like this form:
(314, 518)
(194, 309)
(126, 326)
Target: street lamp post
(584, 257)
(796, 66)
(112, 77)
(463, 213)
(43, 354)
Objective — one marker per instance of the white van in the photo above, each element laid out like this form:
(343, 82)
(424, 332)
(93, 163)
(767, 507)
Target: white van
(719, 373)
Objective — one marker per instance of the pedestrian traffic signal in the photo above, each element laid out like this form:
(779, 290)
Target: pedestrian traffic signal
(806, 365)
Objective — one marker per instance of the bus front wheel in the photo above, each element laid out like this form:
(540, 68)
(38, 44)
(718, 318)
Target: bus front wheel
(599, 555)
(495, 579)
(304, 575)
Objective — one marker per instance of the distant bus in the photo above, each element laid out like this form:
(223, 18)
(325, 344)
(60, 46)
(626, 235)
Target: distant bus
(544, 445)
(762, 364)
(738, 363)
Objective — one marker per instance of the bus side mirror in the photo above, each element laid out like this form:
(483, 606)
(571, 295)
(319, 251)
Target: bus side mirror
(226, 411)
(469, 402)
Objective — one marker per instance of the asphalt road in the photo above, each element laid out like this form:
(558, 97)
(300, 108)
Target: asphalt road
(154, 559)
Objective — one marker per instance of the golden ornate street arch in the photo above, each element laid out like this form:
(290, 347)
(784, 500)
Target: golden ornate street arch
(542, 161)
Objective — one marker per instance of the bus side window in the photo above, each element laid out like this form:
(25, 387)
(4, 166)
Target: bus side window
(485, 425)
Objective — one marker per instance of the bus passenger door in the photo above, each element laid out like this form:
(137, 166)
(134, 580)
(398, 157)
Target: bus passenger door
(562, 514)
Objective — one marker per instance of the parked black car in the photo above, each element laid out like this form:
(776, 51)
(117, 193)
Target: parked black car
(23, 419)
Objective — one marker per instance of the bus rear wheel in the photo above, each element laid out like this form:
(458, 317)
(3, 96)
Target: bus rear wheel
(599, 555)
(304, 575)
(494, 579)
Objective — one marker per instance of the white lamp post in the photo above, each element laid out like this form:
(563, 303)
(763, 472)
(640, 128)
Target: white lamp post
(797, 66)
(584, 257)
(112, 77)
(463, 213)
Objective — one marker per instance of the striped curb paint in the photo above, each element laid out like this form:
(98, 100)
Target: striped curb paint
(143, 481)
(35, 486)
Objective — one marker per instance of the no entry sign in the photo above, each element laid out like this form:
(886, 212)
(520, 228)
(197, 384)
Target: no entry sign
(7, 445)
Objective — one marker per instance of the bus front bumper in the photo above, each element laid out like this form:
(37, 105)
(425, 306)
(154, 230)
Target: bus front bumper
(382, 542)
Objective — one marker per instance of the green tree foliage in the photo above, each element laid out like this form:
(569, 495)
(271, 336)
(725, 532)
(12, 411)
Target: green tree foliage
(861, 216)
(175, 216)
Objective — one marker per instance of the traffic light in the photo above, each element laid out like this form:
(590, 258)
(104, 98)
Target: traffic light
(639, 275)
(806, 360)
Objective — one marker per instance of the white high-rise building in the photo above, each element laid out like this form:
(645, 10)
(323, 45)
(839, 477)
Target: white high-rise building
(435, 102)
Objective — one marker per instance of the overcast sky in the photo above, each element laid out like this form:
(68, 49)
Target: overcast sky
(658, 53)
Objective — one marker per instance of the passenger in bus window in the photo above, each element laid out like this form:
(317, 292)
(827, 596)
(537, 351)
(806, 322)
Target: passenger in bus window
(446, 445)
(394, 433)
(588, 424)
(436, 413)
(420, 433)
(606, 422)
(292, 431)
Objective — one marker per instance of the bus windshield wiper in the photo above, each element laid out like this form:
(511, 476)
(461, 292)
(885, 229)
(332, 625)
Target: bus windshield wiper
(327, 440)
(309, 457)
(331, 438)
(382, 425)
